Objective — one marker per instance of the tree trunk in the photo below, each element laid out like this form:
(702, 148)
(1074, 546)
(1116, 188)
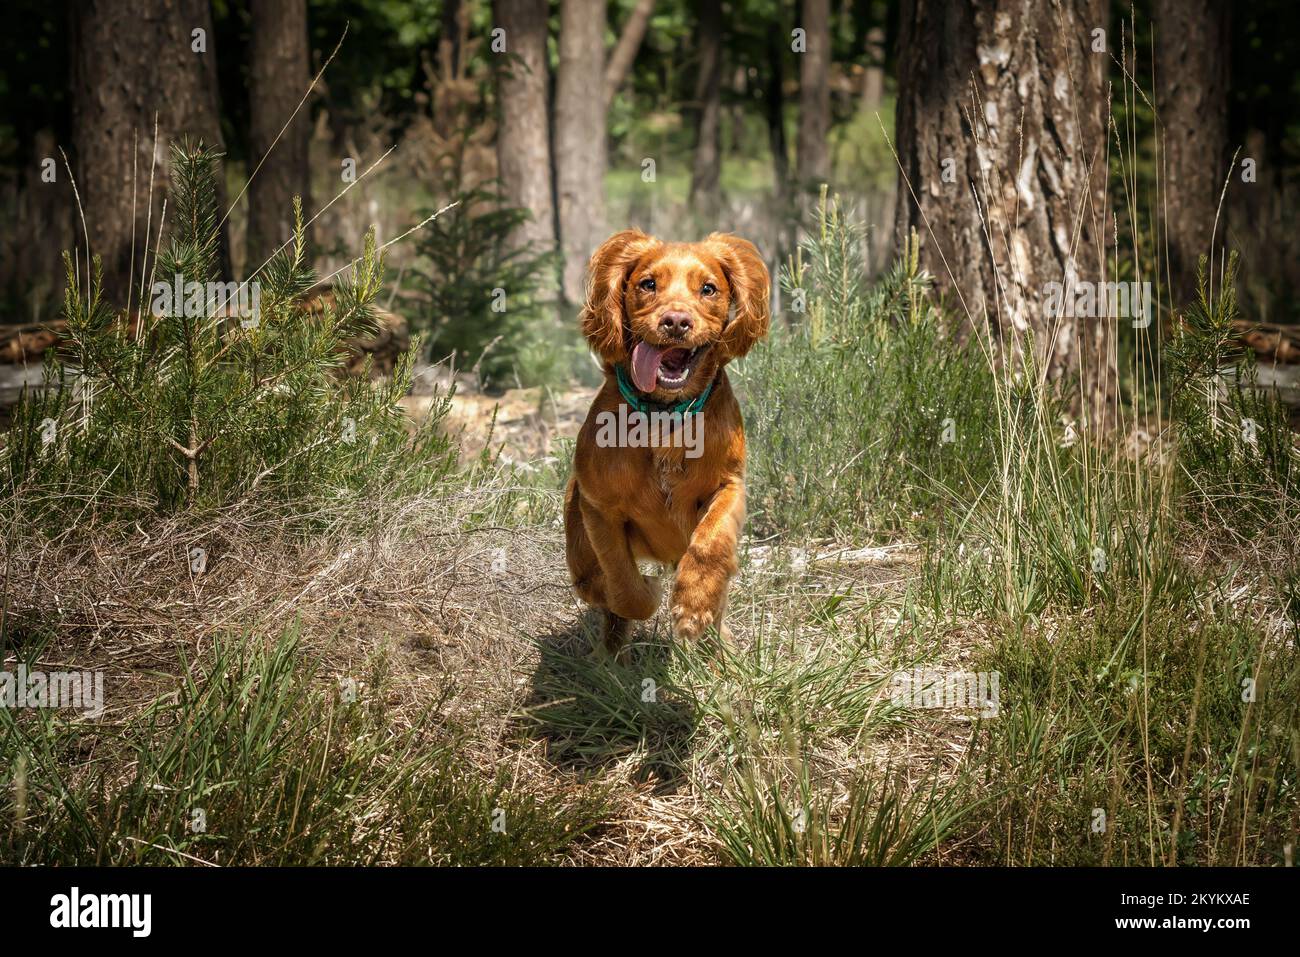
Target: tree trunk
(873, 77)
(280, 74)
(1192, 83)
(775, 108)
(629, 41)
(705, 199)
(523, 138)
(1018, 203)
(130, 61)
(449, 37)
(813, 160)
(580, 138)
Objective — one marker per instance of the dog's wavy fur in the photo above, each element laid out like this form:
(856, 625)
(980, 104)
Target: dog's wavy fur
(656, 503)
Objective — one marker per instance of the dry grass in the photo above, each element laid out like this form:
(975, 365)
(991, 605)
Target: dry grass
(470, 612)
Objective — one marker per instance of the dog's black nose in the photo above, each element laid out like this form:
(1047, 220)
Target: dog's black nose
(675, 324)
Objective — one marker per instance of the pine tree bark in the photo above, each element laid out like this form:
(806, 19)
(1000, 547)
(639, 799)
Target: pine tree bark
(280, 74)
(813, 150)
(1001, 128)
(580, 138)
(774, 107)
(130, 62)
(524, 136)
(1192, 96)
(706, 173)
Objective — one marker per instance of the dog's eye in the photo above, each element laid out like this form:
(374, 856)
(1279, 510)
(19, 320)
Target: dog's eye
(648, 284)
(708, 289)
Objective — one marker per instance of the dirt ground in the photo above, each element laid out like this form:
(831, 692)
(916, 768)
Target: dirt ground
(523, 424)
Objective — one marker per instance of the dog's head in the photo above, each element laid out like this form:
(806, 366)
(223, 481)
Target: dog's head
(673, 313)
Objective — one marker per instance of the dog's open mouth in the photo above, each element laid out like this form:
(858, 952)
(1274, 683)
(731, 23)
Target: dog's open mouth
(663, 367)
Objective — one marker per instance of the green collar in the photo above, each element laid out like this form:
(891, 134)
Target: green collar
(640, 404)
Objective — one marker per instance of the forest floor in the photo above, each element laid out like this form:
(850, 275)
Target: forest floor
(432, 607)
(376, 681)
(488, 613)
(521, 424)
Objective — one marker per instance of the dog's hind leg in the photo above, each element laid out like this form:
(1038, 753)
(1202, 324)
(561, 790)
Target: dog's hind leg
(628, 593)
(601, 563)
(589, 580)
(584, 568)
(614, 635)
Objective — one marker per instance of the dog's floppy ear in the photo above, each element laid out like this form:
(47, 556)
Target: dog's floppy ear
(751, 292)
(607, 275)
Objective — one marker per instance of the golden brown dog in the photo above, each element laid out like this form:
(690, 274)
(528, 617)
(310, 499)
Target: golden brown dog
(665, 319)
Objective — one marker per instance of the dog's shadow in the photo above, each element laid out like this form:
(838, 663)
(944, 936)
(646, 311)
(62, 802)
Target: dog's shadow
(594, 712)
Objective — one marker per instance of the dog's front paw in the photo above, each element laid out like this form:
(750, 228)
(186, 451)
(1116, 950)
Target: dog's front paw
(689, 624)
(697, 600)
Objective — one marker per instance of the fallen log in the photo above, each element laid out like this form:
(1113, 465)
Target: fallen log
(26, 344)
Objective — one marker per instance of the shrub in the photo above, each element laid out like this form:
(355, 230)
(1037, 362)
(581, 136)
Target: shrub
(480, 299)
(864, 408)
(200, 406)
(1235, 448)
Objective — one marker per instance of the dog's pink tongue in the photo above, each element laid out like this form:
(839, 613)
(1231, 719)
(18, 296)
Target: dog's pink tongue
(645, 366)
